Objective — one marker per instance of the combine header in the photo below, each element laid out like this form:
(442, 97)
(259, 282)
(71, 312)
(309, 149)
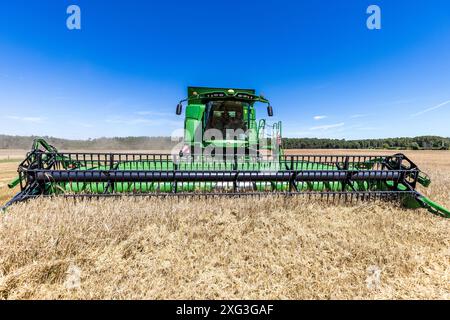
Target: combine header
(225, 152)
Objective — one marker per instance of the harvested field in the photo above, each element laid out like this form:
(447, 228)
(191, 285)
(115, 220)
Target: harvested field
(12, 154)
(8, 171)
(246, 248)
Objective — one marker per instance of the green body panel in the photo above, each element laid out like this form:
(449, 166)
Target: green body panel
(225, 143)
(193, 122)
(14, 183)
(195, 111)
(433, 207)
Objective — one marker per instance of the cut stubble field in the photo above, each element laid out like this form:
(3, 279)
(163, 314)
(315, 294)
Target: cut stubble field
(246, 248)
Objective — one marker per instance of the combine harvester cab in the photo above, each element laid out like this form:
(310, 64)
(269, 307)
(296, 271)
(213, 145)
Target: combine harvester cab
(225, 152)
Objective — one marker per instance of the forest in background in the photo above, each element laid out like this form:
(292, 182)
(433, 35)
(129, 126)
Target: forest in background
(405, 143)
(166, 143)
(116, 143)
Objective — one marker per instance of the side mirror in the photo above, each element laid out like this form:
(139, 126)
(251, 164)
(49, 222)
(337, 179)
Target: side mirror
(179, 109)
(269, 111)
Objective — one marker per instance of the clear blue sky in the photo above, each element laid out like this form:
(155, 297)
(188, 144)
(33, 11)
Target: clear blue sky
(326, 74)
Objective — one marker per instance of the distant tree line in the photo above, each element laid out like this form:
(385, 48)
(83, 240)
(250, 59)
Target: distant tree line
(166, 143)
(416, 143)
(117, 143)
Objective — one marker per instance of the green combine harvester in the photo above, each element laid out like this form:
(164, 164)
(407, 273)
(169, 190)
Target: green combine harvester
(225, 152)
